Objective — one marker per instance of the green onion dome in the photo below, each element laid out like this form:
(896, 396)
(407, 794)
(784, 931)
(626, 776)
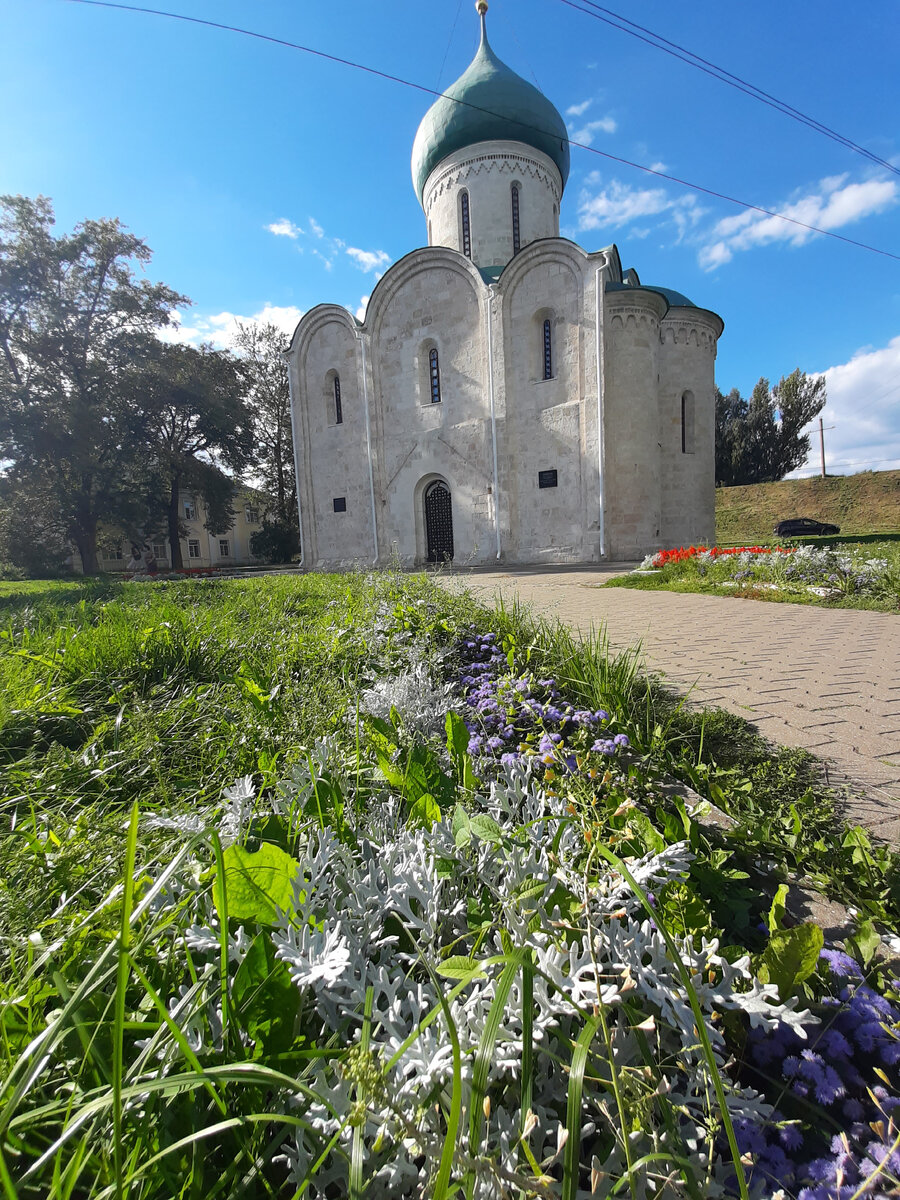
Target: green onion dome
(488, 102)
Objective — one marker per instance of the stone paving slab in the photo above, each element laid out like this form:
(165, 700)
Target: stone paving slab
(821, 679)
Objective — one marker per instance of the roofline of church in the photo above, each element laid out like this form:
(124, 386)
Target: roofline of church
(460, 259)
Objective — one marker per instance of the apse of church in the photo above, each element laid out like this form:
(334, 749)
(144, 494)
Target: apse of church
(509, 396)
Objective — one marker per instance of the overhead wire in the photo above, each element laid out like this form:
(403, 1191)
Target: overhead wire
(658, 42)
(420, 87)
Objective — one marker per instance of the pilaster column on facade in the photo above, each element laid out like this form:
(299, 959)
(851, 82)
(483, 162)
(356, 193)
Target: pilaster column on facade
(303, 462)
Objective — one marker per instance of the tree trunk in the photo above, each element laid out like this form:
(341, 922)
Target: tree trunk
(173, 522)
(280, 506)
(85, 531)
(86, 541)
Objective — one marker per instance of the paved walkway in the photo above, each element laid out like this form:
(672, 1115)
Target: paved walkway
(825, 680)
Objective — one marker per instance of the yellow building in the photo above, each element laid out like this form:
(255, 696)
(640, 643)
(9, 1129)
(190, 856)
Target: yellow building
(200, 549)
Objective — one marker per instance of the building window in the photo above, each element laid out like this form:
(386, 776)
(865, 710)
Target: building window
(159, 550)
(224, 548)
(466, 228)
(547, 479)
(434, 376)
(251, 515)
(340, 503)
(193, 548)
(113, 555)
(517, 240)
(547, 350)
(338, 411)
(190, 510)
(687, 422)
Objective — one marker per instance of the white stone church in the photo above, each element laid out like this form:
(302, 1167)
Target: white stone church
(509, 396)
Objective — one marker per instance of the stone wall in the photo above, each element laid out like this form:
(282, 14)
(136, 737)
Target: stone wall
(487, 171)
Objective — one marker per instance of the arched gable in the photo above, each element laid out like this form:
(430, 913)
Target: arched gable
(417, 262)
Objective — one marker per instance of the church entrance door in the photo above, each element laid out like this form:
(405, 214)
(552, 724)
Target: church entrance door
(438, 522)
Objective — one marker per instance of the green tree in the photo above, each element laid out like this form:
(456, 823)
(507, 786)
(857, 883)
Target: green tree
(74, 319)
(261, 351)
(197, 423)
(760, 440)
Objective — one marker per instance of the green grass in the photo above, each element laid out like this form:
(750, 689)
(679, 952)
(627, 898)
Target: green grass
(867, 503)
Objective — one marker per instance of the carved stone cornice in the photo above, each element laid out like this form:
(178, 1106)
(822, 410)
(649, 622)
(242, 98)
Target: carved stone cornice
(503, 162)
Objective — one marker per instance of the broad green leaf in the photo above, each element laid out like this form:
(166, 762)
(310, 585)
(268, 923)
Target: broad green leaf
(864, 941)
(776, 912)
(459, 966)
(486, 828)
(458, 748)
(425, 811)
(461, 827)
(790, 957)
(257, 884)
(264, 998)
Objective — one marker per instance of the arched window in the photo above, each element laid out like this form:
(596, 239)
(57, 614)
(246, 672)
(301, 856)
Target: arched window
(338, 411)
(434, 376)
(547, 349)
(466, 228)
(687, 422)
(517, 238)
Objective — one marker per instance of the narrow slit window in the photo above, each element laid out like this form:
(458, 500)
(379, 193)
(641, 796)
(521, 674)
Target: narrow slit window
(434, 376)
(466, 228)
(548, 350)
(338, 411)
(517, 239)
(339, 503)
(687, 422)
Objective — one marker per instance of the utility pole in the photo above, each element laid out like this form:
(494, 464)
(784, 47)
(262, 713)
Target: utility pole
(822, 429)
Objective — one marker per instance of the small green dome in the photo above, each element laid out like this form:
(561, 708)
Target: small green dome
(497, 105)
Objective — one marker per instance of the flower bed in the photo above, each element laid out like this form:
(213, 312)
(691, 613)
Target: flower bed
(463, 943)
(865, 573)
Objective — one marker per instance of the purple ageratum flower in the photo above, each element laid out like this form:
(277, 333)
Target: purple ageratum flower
(607, 746)
(600, 715)
(840, 964)
(834, 1044)
(474, 746)
(495, 743)
(509, 759)
(621, 740)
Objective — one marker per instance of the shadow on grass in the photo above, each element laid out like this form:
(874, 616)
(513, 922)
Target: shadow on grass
(56, 592)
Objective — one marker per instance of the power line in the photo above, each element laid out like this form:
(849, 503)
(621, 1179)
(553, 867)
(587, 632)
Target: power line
(420, 87)
(658, 42)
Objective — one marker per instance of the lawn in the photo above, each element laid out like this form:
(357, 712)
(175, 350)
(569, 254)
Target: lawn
(864, 575)
(346, 886)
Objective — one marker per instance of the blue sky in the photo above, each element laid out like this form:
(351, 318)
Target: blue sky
(266, 180)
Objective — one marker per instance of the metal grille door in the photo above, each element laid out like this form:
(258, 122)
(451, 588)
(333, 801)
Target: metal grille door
(438, 522)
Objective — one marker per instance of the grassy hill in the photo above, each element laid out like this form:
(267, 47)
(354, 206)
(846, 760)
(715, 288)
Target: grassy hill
(865, 503)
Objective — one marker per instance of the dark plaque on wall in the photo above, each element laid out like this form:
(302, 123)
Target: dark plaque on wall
(340, 503)
(547, 479)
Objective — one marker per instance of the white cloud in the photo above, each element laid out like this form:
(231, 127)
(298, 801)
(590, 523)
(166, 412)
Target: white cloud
(361, 311)
(864, 408)
(617, 204)
(585, 135)
(218, 329)
(285, 228)
(316, 228)
(578, 110)
(833, 204)
(369, 260)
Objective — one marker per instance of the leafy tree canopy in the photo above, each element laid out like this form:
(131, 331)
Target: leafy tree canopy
(74, 319)
(197, 422)
(261, 351)
(760, 440)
